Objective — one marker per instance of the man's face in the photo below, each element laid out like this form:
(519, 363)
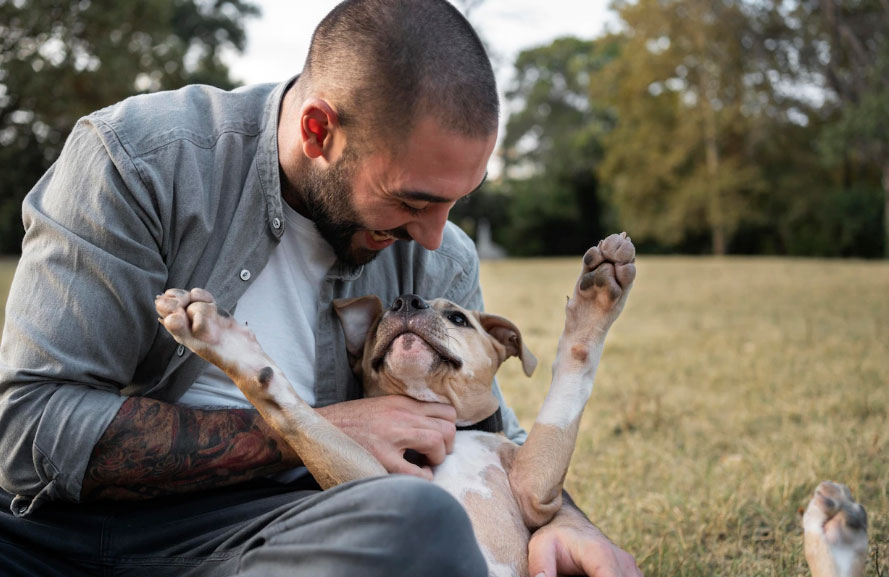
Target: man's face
(362, 205)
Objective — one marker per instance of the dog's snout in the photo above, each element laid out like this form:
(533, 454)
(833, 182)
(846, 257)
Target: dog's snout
(408, 303)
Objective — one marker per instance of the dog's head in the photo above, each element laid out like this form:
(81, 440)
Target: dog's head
(431, 351)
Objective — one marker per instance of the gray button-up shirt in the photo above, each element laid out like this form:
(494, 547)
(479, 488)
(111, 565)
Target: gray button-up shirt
(176, 189)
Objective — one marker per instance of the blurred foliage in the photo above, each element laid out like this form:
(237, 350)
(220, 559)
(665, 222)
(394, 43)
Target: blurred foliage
(679, 161)
(554, 142)
(62, 60)
(725, 126)
(857, 71)
(721, 126)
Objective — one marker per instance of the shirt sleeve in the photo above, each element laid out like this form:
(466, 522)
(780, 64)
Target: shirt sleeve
(469, 295)
(79, 315)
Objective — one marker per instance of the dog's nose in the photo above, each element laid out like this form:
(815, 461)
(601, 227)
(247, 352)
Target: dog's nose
(408, 303)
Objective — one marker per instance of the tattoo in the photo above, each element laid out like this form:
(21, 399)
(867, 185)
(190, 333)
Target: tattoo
(153, 448)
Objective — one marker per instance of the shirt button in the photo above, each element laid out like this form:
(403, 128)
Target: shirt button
(276, 223)
(180, 350)
(245, 275)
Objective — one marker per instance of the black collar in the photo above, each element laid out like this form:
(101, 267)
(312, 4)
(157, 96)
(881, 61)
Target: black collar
(493, 424)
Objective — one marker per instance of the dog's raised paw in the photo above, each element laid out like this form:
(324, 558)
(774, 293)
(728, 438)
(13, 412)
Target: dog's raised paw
(613, 258)
(607, 275)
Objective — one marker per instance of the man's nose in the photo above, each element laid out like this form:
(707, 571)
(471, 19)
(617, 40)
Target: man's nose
(408, 303)
(429, 229)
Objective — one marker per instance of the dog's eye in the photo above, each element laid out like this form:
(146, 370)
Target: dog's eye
(458, 319)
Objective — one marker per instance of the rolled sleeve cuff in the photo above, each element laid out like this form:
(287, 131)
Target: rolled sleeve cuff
(73, 421)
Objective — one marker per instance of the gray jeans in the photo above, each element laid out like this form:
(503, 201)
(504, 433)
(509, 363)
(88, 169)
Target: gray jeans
(390, 526)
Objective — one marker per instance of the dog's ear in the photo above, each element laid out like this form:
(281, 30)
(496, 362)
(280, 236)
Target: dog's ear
(357, 316)
(507, 334)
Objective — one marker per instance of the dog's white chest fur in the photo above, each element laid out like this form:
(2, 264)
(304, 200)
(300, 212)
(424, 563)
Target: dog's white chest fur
(474, 474)
(475, 452)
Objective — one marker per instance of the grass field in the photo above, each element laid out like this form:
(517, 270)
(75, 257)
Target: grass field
(728, 389)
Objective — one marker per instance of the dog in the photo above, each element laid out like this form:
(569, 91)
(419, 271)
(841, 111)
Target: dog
(438, 351)
(835, 529)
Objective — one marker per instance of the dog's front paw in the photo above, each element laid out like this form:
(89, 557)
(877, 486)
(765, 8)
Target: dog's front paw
(195, 322)
(608, 271)
(835, 532)
(188, 316)
(607, 275)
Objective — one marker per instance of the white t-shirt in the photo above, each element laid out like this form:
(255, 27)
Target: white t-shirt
(281, 308)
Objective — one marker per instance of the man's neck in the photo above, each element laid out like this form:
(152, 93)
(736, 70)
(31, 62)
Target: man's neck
(291, 195)
(288, 127)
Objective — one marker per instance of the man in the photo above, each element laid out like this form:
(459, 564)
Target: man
(120, 452)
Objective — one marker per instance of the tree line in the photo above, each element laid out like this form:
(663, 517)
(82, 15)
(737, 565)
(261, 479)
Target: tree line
(703, 126)
(699, 126)
(62, 60)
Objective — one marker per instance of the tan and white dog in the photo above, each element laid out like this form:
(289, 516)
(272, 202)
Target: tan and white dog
(835, 529)
(438, 351)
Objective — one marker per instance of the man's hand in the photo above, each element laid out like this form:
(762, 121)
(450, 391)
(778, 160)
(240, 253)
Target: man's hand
(571, 545)
(390, 425)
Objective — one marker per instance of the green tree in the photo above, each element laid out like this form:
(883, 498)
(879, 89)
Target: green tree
(856, 69)
(62, 60)
(685, 90)
(808, 207)
(552, 147)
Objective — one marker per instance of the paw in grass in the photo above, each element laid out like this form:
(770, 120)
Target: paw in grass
(835, 532)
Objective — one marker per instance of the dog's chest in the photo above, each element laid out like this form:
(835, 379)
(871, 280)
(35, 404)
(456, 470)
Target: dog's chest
(476, 456)
(476, 474)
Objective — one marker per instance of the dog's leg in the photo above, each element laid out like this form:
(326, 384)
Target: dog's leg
(835, 533)
(539, 469)
(330, 455)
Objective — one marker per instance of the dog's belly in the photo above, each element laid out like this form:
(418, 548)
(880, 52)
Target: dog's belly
(475, 473)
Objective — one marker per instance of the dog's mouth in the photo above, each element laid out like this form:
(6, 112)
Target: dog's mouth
(444, 355)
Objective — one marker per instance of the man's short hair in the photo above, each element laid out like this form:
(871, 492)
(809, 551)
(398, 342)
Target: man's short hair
(385, 63)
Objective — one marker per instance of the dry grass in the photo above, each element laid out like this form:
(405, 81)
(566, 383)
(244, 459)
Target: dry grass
(7, 268)
(728, 389)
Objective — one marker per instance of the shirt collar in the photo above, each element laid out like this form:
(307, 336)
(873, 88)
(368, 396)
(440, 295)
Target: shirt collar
(267, 158)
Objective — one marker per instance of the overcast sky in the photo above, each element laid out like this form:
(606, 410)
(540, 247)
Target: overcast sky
(278, 41)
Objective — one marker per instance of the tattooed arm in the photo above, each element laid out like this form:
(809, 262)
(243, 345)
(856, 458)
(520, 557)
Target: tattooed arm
(154, 448)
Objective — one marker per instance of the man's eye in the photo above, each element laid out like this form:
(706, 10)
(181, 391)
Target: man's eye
(413, 210)
(458, 319)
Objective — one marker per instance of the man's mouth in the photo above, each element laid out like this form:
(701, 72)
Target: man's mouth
(377, 240)
(380, 239)
(381, 236)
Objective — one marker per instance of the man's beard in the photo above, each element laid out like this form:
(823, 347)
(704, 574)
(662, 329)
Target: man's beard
(328, 198)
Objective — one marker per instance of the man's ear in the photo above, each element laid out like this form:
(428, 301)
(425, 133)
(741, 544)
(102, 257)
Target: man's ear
(357, 317)
(507, 334)
(317, 122)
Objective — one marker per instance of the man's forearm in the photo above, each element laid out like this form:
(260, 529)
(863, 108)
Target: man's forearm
(153, 448)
